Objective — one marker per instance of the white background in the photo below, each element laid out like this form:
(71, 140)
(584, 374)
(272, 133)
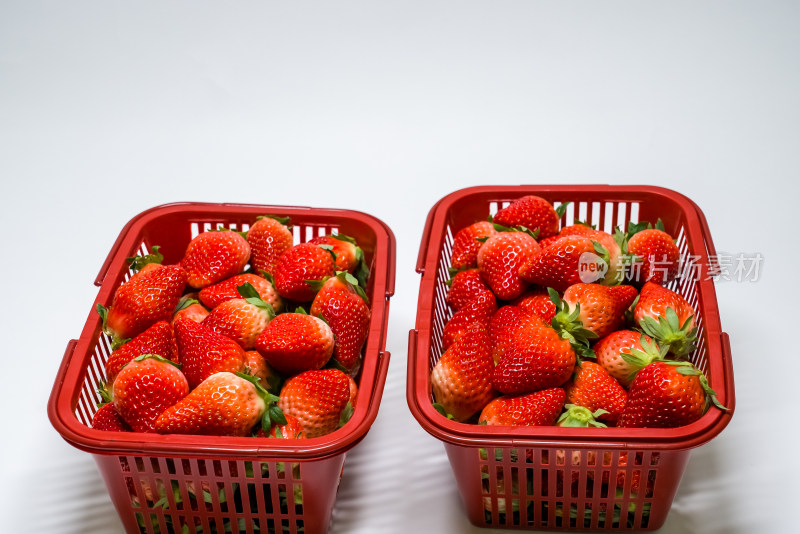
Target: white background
(110, 108)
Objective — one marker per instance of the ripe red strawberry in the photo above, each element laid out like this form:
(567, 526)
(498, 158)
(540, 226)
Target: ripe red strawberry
(341, 303)
(655, 253)
(349, 256)
(532, 212)
(667, 394)
(157, 339)
(559, 264)
(299, 265)
(189, 308)
(148, 297)
(144, 388)
(318, 399)
(204, 352)
(480, 309)
(228, 289)
(269, 238)
(241, 319)
(624, 352)
(467, 242)
(213, 256)
(609, 251)
(600, 309)
(593, 388)
(537, 302)
(667, 317)
(296, 342)
(504, 326)
(463, 287)
(224, 404)
(462, 378)
(107, 418)
(500, 259)
(540, 408)
(291, 430)
(538, 359)
(256, 366)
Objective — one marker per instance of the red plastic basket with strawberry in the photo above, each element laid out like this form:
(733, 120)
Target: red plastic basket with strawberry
(236, 358)
(568, 368)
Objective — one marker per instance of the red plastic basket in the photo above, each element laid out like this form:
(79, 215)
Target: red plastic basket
(195, 484)
(553, 478)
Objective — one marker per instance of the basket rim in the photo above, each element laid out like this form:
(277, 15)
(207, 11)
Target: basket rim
(64, 395)
(719, 361)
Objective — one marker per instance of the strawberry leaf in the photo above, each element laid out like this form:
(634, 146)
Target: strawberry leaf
(439, 408)
(362, 270)
(342, 237)
(562, 209)
(346, 414)
(184, 303)
(276, 415)
(268, 276)
(137, 262)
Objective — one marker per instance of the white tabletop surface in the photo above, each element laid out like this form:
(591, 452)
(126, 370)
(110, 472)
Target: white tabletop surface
(110, 108)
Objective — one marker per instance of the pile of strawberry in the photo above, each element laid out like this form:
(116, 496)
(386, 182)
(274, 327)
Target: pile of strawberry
(532, 341)
(220, 343)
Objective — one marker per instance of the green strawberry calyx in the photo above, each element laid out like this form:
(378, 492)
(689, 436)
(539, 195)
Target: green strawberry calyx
(272, 412)
(137, 262)
(638, 359)
(184, 303)
(346, 414)
(251, 296)
(680, 339)
(578, 416)
(362, 270)
(570, 327)
(688, 369)
(442, 410)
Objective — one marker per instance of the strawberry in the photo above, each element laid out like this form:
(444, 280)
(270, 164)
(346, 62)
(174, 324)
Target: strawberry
(241, 319)
(540, 408)
(349, 256)
(107, 418)
(224, 404)
(145, 387)
(461, 380)
(269, 238)
(505, 325)
(296, 342)
(500, 259)
(624, 352)
(667, 317)
(189, 308)
(204, 352)
(538, 302)
(467, 242)
(291, 430)
(593, 388)
(593, 307)
(213, 256)
(148, 297)
(654, 253)
(480, 309)
(559, 264)
(463, 287)
(667, 394)
(532, 212)
(256, 366)
(318, 399)
(299, 265)
(609, 251)
(157, 339)
(228, 289)
(342, 304)
(538, 359)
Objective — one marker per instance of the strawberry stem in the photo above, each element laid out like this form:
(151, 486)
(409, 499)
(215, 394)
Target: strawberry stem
(580, 416)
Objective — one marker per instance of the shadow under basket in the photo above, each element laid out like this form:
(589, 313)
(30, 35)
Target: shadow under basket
(202, 484)
(553, 478)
